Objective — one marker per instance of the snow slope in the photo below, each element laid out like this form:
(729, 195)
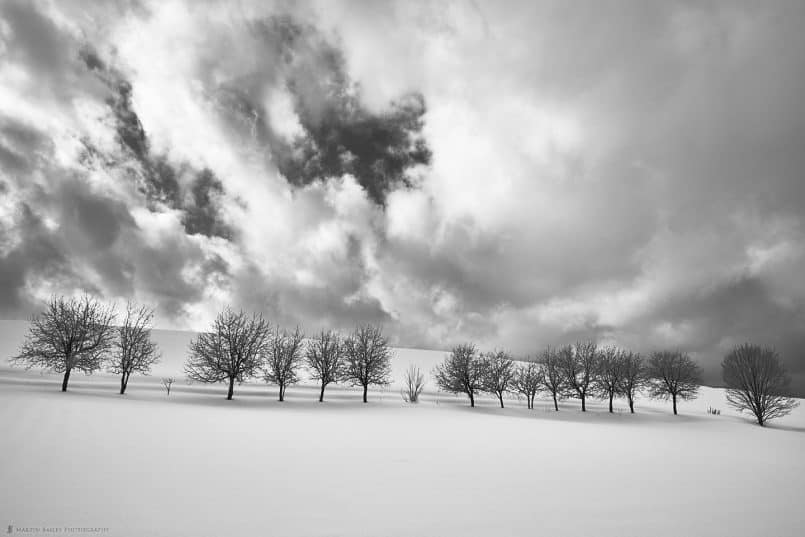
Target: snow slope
(196, 464)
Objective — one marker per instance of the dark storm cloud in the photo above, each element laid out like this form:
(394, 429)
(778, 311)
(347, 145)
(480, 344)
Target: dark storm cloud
(341, 136)
(711, 321)
(97, 247)
(61, 233)
(99, 234)
(197, 197)
(38, 254)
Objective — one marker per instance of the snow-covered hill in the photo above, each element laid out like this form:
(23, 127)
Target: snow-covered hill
(196, 464)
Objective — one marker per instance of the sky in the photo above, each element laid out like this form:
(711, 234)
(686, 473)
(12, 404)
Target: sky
(515, 174)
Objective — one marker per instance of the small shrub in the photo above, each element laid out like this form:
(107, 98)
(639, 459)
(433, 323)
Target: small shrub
(414, 384)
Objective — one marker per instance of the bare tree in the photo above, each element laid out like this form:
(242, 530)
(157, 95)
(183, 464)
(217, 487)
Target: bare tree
(609, 378)
(283, 359)
(499, 373)
(461, 372)
(231, 351)
(580, 365)
(758, 382)
(367, 358)
(553, 376)
(528, 380)
(414, 384)
(672, 374)
(325, 358)
(633, 377)
(167, 382)
(134, 351)
(72, 333)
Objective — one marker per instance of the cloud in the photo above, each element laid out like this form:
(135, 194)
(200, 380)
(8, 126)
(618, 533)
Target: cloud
(516, 175)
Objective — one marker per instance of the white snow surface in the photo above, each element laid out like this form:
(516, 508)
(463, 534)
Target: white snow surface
(195, 464)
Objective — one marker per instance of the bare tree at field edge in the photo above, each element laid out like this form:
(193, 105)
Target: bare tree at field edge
(673, 375)
(72, 333)
(757, 381)
(325, 359)
(462, 371)
(367, 358)
(231, 351)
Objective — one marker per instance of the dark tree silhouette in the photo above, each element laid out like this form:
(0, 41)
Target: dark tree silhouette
(579, 364)
(758, 382)
(553, 376)
(367, 358)
(633, 377)
(134, 351)
(72, 333)
(325, 358)
(609, 378)
(672, 374)
(528, 380)
(461, 372)
(414, 384)
(231, 351)
(499, 373)
(283, 359)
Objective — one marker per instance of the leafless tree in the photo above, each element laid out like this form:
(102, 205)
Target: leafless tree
(231, 351)
(72, 333)
(499, 373)
(579, 364)
(674, 375)
(134, 351)
(633, 377)
(528, 380)
(325, 358)
(609, 378)
(553, 376)
(461, 372)
(758, 382)
(414, 384)
(283, 359)
(167, 382)
(367, 358)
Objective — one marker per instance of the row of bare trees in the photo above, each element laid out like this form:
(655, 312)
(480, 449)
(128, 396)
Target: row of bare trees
(80, 334)
(84, 334)
(756, 380)
(240, 346)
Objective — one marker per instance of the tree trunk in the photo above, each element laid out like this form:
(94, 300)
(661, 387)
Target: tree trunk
(66, 380)
(555, 403)
(500, 398)
(583, 405)
(472, 399)
(365, 388)
(231, 388)
(282, 393)
(674, 397)
(610, 402)
(631, 404)
(321, 394)
(123, 383)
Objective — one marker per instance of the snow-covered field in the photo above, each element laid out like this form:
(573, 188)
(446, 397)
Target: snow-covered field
(195, 464)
